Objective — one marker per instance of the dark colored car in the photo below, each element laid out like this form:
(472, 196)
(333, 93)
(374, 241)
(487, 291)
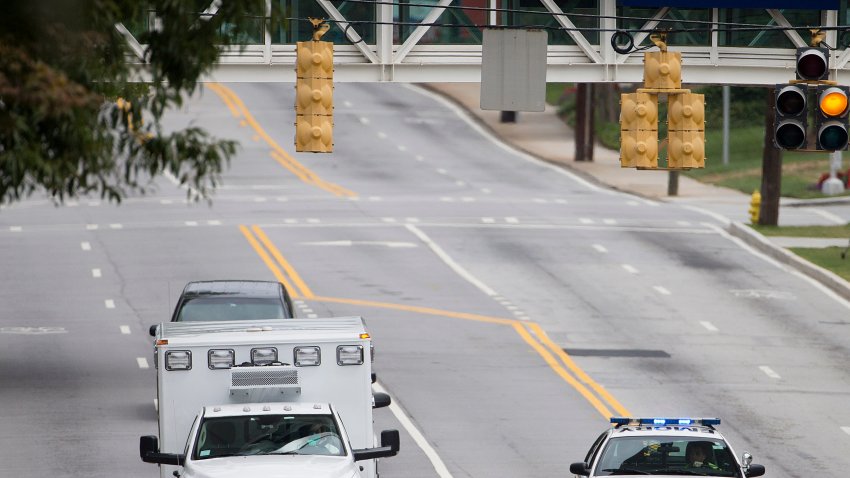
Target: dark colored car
(220, 300)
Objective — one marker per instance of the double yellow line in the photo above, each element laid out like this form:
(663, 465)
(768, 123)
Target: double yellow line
(534, 335)
(274, 260)
(239, 110)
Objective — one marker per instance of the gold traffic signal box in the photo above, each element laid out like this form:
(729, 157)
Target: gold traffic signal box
(314, 97)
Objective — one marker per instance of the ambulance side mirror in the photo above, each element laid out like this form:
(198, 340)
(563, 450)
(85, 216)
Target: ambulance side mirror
(149, 452)
(381, 400)
(389, 447)
(152, 330)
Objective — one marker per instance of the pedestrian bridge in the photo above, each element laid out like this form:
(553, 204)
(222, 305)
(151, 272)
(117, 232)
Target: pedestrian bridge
(440, 40)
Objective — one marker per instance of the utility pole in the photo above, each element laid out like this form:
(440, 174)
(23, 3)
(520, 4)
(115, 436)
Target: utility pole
(584, 122)
(771, 168)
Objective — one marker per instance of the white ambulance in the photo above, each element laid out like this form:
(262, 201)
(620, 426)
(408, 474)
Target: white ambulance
(305, 371)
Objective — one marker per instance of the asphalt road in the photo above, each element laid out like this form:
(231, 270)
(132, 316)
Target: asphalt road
(474, 267)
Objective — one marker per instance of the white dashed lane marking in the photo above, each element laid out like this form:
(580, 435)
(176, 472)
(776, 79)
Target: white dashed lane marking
(16, 228)
(125, 329)
(91, 227)
(511, 220)
(769, 371)
(630, 269)
(116, 226)
(191, 223)
(110, 304)
(85, 246)
(600, 248)
(143, 362)
(846, 430)
(95, 273)
(661, 290)
(708, 326)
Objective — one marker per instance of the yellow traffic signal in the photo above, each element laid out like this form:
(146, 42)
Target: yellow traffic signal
(639, 130)
(662, 70)
(314, 97)
(686, 131)
(831, 122)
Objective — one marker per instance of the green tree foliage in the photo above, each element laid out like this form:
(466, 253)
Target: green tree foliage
(75, 117)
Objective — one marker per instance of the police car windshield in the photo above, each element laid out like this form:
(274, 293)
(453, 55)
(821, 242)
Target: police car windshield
(666, 455)
(268, 435)
(218, 308)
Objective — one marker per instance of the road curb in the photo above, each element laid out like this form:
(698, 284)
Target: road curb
(752, 238)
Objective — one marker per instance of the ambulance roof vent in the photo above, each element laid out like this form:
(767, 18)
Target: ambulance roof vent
(242, 378)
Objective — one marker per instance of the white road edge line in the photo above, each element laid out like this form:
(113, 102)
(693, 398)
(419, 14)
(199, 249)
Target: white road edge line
(414, 433)
(449, 262)
(743, 245)
(769, 371)
(143, 362)
(709, 326)
(462, 114)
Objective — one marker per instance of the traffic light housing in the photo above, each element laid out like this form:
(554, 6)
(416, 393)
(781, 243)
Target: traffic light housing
(791, 123)
(812, 63)
(831, 122)
(686, 131)
(639, 130)
(662, 70)
(314, 97)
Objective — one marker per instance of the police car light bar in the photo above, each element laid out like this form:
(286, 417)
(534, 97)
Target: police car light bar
(664, 421)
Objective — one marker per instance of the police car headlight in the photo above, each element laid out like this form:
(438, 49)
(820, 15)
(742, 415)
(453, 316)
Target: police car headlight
(263, 356)
(221, 358)
(307, 356)
(349, 355)
(178, 360)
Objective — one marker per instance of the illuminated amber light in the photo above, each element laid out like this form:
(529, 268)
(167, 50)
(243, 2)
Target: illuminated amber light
(833, 103)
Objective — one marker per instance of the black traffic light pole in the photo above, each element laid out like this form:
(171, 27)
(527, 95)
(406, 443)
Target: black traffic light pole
(771, 168)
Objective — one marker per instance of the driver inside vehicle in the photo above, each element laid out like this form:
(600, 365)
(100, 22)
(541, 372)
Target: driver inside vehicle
(699, 454)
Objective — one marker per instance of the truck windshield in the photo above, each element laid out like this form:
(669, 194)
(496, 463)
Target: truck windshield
(268, 435)
(231, 308)
(666, 455)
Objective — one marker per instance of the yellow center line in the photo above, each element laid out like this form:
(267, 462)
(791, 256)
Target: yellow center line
(269, 262)
(417, 309)
(539, 341)
(296, 278)
(581, 374)
(587, 394)
(238, 108)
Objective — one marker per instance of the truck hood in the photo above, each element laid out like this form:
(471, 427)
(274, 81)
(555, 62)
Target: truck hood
(271, 466)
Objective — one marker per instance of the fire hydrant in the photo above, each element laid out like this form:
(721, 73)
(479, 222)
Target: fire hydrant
(755, 207)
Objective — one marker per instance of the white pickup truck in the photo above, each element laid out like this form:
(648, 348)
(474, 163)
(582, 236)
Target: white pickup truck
(269, 439)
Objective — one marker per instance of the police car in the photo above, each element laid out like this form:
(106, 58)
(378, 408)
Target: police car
(664, 446)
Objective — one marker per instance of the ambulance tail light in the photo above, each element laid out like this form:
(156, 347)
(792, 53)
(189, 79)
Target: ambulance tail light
(263, 356)
(307, 356)
(178, 360)
(221, 359)
(349, 355)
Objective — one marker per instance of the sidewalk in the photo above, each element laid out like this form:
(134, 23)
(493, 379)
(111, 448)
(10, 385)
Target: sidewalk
(546, 136)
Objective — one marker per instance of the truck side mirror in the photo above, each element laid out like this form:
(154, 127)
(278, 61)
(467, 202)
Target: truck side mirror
(390, 438)
(579, 469)
(149, 452)
(389, 447)
(755, 470)
(381, 400)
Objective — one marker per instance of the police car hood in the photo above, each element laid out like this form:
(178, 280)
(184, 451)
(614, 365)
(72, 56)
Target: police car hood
(274, 466)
